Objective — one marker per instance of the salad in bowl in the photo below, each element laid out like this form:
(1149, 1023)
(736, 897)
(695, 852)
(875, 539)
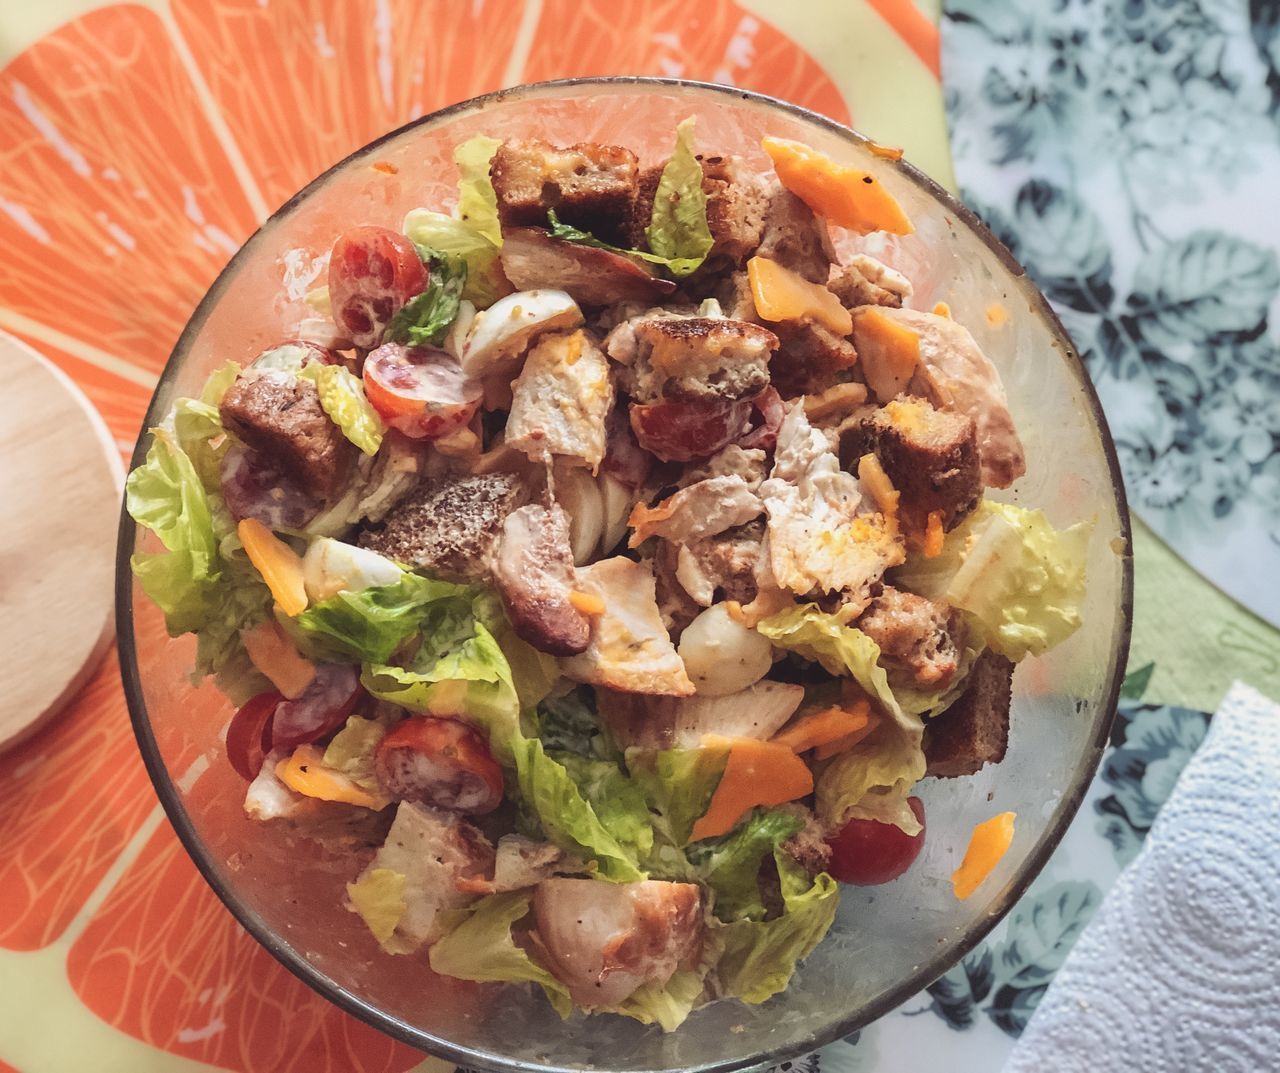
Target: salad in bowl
(616, 556)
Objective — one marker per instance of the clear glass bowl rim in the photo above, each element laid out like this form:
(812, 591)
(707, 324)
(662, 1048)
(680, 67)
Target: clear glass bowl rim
(294, 961)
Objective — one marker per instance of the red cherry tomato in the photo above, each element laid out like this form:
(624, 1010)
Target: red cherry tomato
(373, 271)
(253, 488)
(319, 709)
(248, 735)
(867, 852)
(420, 391)
(439, 762)
(684, 431)
(766, 420)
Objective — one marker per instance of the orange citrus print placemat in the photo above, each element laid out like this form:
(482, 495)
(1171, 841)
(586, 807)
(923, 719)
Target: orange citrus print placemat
(139, 146)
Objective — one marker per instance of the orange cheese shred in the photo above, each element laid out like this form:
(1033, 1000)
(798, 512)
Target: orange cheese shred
(642, 519)
(586, 602)
(812, 729)
(941, 309)
(780, 294)
(888, 152)
(273, 652)
(933, 535)
(989, 842)
(848, 197)
(304, 773)
(843, 745)
(889, 352)
(872, 474)
(755, 773)
(279, 565)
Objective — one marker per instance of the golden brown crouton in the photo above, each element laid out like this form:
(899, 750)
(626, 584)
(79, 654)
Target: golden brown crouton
(590, 186)
(975, 730)
(918, 638)
(796, 238)
(930, 456)
(810, 358)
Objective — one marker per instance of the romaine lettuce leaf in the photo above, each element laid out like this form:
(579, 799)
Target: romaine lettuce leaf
(842, 650)
(666, 1006)
(458, 670)
(759, 956)
(219, 380)
(426, 318)
(1019, 580)
(351, 751)
(378, 896)
(481, 948)
(564, 814)
(872, 780)
(477, 202)
(369, 625)
(678, 229)
(343, 399)
(730, 866)
(456, 239)
(678, 784)
(615, 799)
(568, 723)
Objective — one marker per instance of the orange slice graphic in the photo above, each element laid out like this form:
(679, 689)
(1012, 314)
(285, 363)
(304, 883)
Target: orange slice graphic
(73, 796)
(119, 205)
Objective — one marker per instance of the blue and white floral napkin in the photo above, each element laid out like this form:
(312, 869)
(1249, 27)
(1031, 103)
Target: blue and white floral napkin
(1128, 152)
(1177, 971)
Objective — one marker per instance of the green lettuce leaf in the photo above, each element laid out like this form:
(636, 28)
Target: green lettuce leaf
(369, 625)
(426, 318)
(481, 948)
(759, 957)
(872, 780)
(351, 751)
(1019, 580)
(378, 896)
(343, 399)
(615, 799)
(678, 229)
(455, 239)
(842, 650)
(565, 815)
(457, 670)
(666, 1006)
(568, 233)
(730, 866)
(678, 784)
(569, 724)
(477, 202)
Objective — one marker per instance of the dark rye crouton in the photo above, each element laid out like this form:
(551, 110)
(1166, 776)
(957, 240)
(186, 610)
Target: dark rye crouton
(796, 238)
(588, 185)
(280, 416)
(930, 456)
(918, 638)
(448, 527)
(975, 730)
(810, 358)
(864, 281)
(735, 210)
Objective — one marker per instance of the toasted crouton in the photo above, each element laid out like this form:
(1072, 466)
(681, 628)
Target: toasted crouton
(975, 730)
(929, 455)
(448, 527)
(281, 417)
(796, 238)
(810, 358)
(864, 281)
(735, 210)
(918, 638)
(590, 186)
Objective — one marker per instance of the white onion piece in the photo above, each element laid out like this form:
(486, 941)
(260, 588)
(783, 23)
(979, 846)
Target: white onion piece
(721, 655)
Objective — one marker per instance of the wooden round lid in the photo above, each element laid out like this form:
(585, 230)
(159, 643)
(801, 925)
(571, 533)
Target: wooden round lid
(60, 484)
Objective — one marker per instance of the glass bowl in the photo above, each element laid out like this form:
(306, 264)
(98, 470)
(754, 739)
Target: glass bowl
(888, 941)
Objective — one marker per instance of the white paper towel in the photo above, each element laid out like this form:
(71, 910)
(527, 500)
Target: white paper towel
(1179, 970)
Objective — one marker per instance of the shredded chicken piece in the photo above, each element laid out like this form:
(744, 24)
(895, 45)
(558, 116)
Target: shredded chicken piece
(700, 510)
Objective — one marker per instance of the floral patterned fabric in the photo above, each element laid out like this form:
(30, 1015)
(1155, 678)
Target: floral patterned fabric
(1127, 152)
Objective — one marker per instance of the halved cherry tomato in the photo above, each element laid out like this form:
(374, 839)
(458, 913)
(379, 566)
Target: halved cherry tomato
(766, 420)
(248, 735)
(373, 272)
(684, 431)
(867, 852)
(253, 488)
(420, 391)
(319, 709)
(440, 762)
